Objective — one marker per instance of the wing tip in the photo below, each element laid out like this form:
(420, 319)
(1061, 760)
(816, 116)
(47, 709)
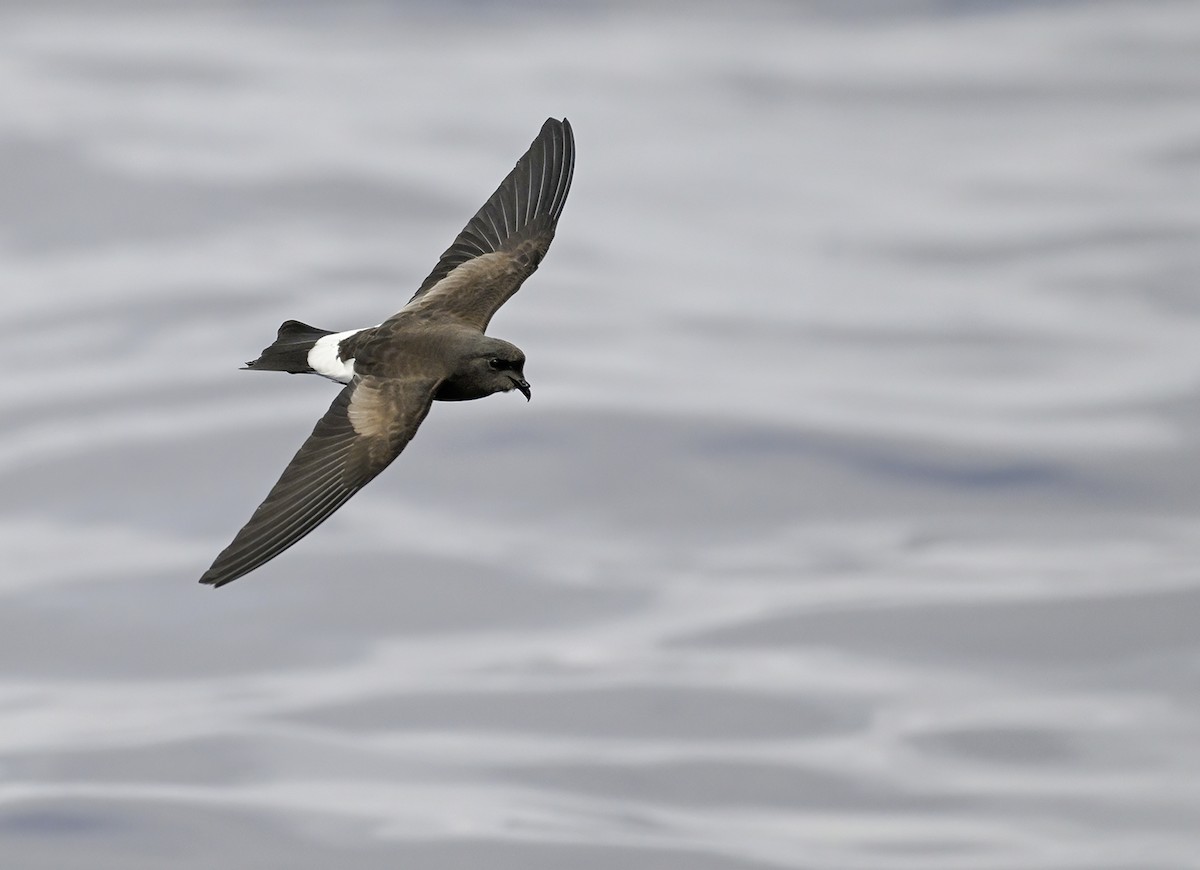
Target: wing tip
(563, 127)
(559, 143)
(215, 579)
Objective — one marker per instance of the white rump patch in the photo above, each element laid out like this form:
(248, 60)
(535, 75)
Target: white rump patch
(324, 359)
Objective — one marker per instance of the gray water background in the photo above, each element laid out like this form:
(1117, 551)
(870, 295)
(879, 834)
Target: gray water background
(853, 523)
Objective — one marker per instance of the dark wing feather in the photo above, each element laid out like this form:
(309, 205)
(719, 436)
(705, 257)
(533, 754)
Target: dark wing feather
(504, 243)
(365, 428)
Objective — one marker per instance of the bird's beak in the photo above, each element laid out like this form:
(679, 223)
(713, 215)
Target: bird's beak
(523, 385)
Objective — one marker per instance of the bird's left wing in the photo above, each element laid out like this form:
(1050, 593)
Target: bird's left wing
(504, 243)
(365, 428)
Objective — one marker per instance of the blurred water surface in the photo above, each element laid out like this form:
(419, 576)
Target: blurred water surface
(853, 524)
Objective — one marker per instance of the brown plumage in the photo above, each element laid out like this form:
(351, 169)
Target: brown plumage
(434, 348)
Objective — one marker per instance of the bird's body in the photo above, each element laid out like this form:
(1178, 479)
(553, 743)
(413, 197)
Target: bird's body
(433, 349)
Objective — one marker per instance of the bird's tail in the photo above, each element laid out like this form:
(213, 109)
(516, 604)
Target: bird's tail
(289, 352)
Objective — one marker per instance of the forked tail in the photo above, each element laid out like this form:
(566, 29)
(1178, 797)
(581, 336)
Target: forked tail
(289, 352)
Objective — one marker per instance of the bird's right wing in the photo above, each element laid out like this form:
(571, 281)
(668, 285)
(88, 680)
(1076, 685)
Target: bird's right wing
(365, 428)
(504, 243)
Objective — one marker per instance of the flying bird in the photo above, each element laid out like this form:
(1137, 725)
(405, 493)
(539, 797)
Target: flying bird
(432, 349)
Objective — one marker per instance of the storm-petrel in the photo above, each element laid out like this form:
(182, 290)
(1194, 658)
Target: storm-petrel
(432, 349)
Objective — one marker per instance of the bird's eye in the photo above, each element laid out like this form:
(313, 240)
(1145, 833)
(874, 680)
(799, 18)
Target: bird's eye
(497, 364)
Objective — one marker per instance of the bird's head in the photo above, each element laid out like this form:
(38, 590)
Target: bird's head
(500, 367)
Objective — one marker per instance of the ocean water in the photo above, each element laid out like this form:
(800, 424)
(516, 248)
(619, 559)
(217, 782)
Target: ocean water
(853, 524)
